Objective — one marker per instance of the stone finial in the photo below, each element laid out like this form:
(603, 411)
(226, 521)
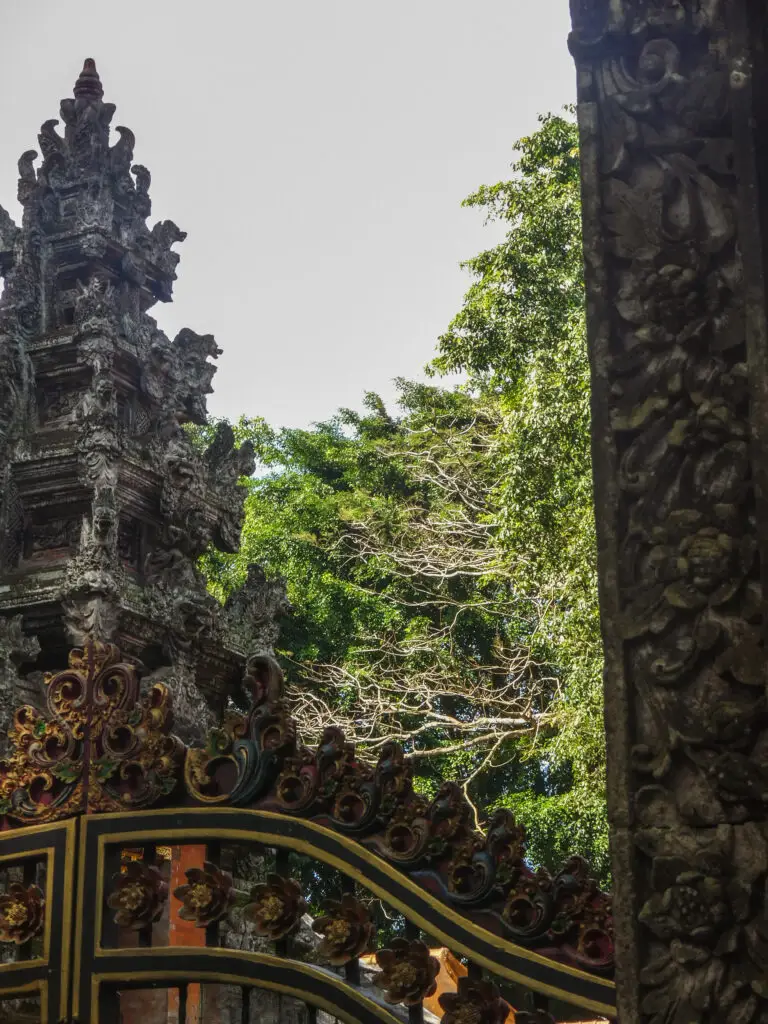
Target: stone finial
(88, 86)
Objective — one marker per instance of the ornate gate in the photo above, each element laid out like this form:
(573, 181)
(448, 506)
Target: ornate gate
(97, 794)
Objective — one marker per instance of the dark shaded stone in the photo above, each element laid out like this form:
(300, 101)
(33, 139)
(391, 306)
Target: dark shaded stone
(672, 111)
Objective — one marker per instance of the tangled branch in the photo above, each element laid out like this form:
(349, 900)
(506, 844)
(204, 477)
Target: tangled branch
(435, 687)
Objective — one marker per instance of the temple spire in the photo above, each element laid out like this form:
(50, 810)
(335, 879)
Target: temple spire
(105, 503)
(88, 86)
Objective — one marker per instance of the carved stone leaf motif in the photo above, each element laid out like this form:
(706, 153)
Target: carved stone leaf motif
(633, 214)
(712, 918)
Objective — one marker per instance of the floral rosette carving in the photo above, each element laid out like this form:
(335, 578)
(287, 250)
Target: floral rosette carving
(473, 1002)
(346, 928)
(711, 932)
(276, 907)
(408, 972)
(138, 895)
(583, 921)
(207, 896)
(22, 913)
(481, 862)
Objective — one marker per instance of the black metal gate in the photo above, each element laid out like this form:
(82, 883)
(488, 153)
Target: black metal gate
(83, 894)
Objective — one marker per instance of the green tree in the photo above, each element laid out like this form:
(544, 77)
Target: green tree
(520, 336)
(408, 621)
(441, 562)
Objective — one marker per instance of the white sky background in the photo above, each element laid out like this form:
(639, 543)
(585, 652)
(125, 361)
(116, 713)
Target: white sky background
(316, 151)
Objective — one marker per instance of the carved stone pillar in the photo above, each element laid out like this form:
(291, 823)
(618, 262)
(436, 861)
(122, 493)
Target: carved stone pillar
(672, 112)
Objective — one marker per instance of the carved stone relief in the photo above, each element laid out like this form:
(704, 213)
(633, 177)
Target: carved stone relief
(680, 571)
(15, 650)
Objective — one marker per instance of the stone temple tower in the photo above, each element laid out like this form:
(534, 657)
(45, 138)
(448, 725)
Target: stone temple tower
(106, 503)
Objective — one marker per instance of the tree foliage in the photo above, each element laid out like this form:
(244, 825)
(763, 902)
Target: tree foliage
(440, 562)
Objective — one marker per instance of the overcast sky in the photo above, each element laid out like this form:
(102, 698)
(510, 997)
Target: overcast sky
(316, 152)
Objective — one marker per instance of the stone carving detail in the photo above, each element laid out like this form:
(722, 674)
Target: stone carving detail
(94, 576)
(11, 525)
(253, 612)
(708, 918)
(107, 388)
(669, 349)
(15, 650)
(9, 232)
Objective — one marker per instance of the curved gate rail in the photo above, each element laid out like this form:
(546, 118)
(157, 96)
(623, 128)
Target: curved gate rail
(103, 751)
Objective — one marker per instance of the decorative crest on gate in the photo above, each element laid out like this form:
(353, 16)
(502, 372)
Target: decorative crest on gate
(100, 745)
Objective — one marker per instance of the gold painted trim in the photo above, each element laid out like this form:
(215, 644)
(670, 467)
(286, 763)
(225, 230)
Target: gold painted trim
(236, 979)
(66, 914)
(27, 830)
(23, 990)
(46, 853)
(69, 828)
(302, 846)
(79, 938)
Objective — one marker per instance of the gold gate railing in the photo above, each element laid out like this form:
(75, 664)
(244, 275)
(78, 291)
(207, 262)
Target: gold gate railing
(93, 788)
